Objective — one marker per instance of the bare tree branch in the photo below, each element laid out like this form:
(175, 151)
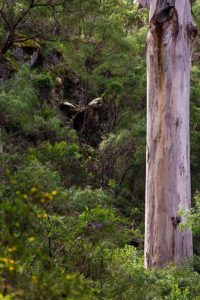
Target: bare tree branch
(5, 19)
(12, 24)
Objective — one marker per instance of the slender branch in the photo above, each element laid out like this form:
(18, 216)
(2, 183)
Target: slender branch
(26, 39)
(125, 173)
(5, 20)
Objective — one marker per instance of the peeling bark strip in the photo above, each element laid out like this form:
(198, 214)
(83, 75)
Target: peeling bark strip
(169, 40)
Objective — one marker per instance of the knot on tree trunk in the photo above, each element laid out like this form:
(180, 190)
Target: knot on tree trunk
(192, 30)
(164, 14)
(164, 11)
(176, 220)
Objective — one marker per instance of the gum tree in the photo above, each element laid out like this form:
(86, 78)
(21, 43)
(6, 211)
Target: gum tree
(169, 40)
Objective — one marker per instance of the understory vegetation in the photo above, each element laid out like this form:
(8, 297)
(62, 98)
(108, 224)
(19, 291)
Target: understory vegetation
(72, 154)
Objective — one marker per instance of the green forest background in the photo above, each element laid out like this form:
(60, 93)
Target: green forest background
(72, 169)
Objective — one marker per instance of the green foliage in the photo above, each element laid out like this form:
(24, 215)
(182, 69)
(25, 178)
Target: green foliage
(67, 286)
(130, 280)
(193, 217)
(22, 110)
(66, 159)
(195, 132)
(44, 262)
(80, 199)
(43, 80)
(69, 212)
(36, 174)
(17, 103)
(192, 220)
(36, 241)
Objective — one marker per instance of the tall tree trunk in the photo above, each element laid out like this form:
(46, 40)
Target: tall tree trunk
(169, 40)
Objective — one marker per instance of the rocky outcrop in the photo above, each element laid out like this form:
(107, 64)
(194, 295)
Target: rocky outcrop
(27, 50)
(7, 69)
(90, 121)
(53, 59)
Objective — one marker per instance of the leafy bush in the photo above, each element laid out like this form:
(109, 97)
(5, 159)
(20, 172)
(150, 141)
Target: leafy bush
(128, 279)
(43, 80)
(65, 158)
(22, 110)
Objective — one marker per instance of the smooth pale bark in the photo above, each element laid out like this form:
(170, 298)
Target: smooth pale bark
(169, 40)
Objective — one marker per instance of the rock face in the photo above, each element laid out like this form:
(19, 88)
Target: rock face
(91, 117)
(27, 50)
(90, 121)
(58, 82)
(53, 59)
(75, 89)
(6, 69)
(4, 73)
(18, 54)
(34, 58)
